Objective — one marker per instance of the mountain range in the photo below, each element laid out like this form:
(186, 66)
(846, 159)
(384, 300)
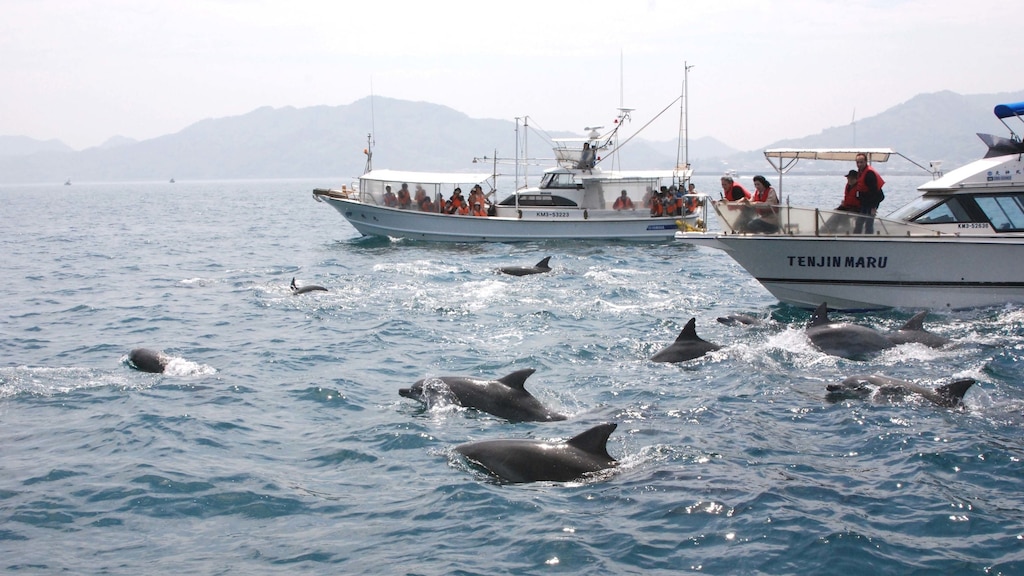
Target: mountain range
(329, 142)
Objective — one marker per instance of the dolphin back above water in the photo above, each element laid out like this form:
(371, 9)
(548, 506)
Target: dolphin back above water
(539, 268)
(861, 386)
(913, 331)
(505, 397)
(296, 289)
(533, 460)
(686, 347)
(846, 340)
(148, 360)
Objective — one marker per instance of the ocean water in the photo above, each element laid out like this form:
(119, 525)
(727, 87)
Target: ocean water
(277, 442)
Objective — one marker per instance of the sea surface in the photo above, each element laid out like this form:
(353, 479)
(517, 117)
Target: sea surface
(277, 442)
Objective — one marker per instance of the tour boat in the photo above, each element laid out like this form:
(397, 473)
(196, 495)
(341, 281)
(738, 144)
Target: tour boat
(959, 245)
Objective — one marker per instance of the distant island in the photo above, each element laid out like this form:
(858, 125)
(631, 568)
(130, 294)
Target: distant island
(327, 142)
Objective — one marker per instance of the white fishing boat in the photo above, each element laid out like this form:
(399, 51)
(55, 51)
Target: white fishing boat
(959, 245)
(575, 199)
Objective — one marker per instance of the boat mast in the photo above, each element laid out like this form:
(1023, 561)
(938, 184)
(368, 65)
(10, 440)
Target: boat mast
(683, 153)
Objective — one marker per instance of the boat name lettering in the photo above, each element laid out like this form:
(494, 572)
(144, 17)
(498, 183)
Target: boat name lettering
(838, 261)
(973, 225)
(996, 176)
(552, 214)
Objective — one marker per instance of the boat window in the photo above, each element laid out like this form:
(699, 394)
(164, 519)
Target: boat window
(1006, 213)
(559, 180)
(538, 200)
(947, 212)
(914, 208)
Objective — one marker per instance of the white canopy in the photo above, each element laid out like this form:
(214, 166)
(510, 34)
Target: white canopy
(453, 178)
(842, 154)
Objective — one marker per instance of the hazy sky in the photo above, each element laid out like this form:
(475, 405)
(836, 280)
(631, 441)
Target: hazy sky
(84, 70)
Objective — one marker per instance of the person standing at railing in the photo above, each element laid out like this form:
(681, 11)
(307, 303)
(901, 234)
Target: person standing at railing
(869, 192)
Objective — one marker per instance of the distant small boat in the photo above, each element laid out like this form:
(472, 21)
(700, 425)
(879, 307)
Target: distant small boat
(172, 180)
(67, 182)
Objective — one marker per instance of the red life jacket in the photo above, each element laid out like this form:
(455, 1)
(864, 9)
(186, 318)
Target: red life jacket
(862, 185)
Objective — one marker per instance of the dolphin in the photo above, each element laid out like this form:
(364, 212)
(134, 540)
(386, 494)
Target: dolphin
(304, 289)
(849, 341)
(949, 395)
(538, 268)
(148, 360)
(913, 331)
(533, 460)
(505, 397)
(740, 320)
(686, 347)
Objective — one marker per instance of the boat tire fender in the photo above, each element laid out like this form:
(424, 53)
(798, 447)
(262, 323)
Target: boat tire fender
(520, 212)
(586, 215)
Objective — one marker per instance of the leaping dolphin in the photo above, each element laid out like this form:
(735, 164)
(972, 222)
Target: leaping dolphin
(308, 288)
(913, 331)
(505, 397)
(148, 360)
(538, 268)
(533, 460)
(846, 340)
(686, 347)
(860, 386)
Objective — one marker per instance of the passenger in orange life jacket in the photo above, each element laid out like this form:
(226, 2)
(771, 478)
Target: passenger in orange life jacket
(404, 198)
(455, 203)
(623, 202)
(764, 202)
(840, 223)
(733, 191)
(673, 205)
(658, 205)
(869, 192)
(691, 202)
(478, 210)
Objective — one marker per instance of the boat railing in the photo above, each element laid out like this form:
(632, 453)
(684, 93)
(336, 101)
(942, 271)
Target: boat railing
(753, 218)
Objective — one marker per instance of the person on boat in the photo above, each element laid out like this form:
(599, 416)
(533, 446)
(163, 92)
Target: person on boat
(850, 203)
(732, 191)
(478, 210)
(691, 202)
(456, 202)
(623, 202)
(476, 195)
(587, 157)
(673, 203)
(423, 201)
(404, 198)
(658, 205)
(390, 199)
(869, 192)
(765, 202)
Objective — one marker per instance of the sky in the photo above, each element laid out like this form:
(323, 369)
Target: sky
(83, 71)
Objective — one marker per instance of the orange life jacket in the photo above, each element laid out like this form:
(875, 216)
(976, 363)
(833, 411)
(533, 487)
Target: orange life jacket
(862, 186)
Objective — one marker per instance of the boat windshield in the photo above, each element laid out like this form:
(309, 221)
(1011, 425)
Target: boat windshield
(560, 180)
(914, 208)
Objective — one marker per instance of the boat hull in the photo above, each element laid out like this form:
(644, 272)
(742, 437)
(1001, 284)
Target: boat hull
(871, 273)
(545, 224)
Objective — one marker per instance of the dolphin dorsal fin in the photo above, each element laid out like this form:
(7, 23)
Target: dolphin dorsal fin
(595, 440)
(517, 379)
(820, 315)
(293, 283)
(916, 322)
(544, 263)
(955, 391)
(689, 332)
